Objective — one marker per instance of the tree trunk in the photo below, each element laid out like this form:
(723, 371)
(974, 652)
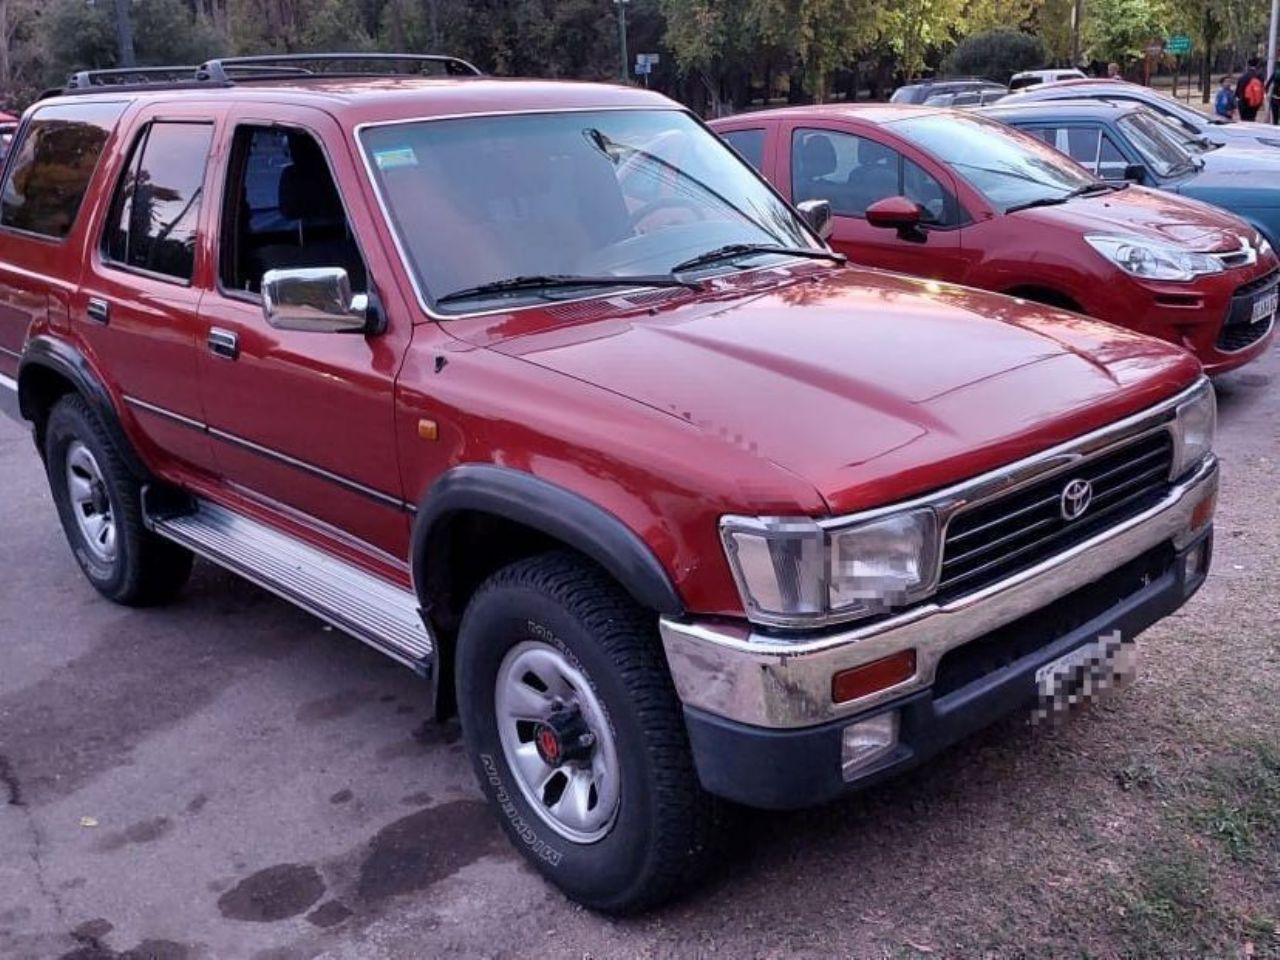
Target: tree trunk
(124, 34)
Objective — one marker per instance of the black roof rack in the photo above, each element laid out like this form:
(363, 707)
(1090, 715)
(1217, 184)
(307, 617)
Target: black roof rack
(228, 71)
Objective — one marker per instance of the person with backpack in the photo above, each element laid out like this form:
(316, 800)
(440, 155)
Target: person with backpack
(1224, 104)
(1273, 91)
(1250, 92)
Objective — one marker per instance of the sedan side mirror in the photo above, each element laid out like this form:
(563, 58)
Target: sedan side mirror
(897, 213)
(1134, 172)
(314, 300)
(817, 213)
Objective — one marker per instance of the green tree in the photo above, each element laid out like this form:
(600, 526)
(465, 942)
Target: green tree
(996, 54)
(1119, 30)
(823, 34)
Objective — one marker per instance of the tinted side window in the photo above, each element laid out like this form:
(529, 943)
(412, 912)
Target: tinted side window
(50, 172)
(157, 203)
(749, 143)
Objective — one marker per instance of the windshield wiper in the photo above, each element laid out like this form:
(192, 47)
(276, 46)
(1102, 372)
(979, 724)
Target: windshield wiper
(1062, 198)
(733, 250)
(558, 281)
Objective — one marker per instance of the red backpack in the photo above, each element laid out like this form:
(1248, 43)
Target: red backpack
(1253, 92)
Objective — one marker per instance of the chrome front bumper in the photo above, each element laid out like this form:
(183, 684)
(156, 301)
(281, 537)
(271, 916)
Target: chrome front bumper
(728, 670)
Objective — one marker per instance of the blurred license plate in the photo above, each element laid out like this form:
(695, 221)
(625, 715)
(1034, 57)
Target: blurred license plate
(1265, 306)
(1083, 675)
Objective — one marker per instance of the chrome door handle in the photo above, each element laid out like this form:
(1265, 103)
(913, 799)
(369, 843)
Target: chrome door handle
(98, 310)
(223, 343)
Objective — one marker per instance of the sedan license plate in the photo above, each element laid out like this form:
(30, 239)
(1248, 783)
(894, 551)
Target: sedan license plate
(1083, 675)
(1265, 306)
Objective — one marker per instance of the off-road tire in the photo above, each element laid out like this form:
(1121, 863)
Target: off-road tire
(146, 569)
(666, 826)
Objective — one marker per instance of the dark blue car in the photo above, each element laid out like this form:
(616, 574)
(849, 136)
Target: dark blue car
(1126, 141)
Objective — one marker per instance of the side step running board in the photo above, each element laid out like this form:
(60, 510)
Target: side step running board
(367, 607)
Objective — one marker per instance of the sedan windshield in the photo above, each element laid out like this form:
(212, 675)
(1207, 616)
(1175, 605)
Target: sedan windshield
(486, 208)
(1010, 169)
(1160, 148)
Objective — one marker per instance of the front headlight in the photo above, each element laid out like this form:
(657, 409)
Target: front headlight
(1153, 261)
(1193, 429)
(1263, 246)
(793, 572)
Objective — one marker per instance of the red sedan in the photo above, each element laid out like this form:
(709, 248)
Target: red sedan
(957, 197)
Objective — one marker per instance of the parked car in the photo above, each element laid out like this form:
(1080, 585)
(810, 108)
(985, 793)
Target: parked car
(1213, 130)
(1130, 143)
(958, 197)
(540, 390)
(965, 98)
(1032, 78)
(922, 90)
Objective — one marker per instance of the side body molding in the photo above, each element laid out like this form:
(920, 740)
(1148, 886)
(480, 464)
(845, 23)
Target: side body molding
(49, 354)
(523, 498)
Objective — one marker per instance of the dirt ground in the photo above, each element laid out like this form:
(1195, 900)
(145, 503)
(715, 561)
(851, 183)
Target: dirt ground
(227, 778)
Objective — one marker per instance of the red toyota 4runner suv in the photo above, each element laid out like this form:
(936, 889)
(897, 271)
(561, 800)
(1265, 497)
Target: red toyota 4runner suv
(539, 389)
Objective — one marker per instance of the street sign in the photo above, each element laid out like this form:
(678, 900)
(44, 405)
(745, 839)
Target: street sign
(1178, 45)
(643, 68)
(646, 58)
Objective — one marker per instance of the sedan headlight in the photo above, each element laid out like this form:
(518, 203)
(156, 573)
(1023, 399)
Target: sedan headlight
(1153, 261)
(1193, 429)
(798, 572)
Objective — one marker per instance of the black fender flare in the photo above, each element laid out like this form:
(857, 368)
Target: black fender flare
(49, 353)
(552, 510)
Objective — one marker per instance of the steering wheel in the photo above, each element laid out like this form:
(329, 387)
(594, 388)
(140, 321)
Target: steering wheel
(665, 203)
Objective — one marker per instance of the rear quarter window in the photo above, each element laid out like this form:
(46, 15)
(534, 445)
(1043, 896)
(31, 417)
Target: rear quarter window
(749, 143)
(49, 172)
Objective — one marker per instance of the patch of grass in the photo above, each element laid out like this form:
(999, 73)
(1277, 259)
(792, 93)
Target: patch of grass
(1169, 901)
(1243, 813)
(1141, 775)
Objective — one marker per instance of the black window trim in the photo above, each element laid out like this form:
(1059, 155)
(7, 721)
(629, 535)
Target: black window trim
(138, 148)
(963, 217)
(20, 140)
(224, 216)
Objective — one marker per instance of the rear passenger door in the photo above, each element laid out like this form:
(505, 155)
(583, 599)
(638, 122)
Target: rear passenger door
(303, 421)
(138, 304)
(853, 171)
(1088, 145)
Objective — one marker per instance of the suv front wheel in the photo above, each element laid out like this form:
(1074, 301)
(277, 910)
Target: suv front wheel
(100, 505)
(577, 736)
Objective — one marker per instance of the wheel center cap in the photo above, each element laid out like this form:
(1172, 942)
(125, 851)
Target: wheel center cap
(564, 737)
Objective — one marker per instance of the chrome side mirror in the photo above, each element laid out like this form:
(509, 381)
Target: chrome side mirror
(313, 300)
(817, 213)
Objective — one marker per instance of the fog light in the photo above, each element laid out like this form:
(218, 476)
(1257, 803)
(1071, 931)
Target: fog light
(865, 742)
(1195, 562)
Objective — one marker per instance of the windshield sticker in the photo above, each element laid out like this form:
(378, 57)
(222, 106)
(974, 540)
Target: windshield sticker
(395, 157)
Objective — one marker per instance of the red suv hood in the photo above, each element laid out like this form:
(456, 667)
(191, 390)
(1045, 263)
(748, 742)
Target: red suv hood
(1157, 215)
(871, 386)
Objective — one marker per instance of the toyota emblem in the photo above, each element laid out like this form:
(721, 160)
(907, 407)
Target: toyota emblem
(1075, 500)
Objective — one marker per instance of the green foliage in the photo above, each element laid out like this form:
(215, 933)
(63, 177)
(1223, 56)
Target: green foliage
(1119, 30)
(75, 35)
(997, 54)
(165, 31)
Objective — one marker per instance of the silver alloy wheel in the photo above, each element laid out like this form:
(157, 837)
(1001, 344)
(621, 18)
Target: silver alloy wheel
(90, 503)
(541, 697)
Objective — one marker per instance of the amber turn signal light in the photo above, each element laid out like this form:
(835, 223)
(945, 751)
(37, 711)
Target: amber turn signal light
(874, 676)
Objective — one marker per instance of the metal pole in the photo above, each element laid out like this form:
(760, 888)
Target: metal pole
(1077, 14)
(1271, 45)
(622, 37)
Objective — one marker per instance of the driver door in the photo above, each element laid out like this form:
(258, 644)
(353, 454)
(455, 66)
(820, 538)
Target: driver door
(854, 170)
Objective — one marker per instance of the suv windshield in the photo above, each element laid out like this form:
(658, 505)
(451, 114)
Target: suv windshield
(484, 201)
(1010, 169)
(1159, 146)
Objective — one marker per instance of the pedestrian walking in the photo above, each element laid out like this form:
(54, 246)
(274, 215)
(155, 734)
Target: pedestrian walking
(1250, 92)
(1224, 104)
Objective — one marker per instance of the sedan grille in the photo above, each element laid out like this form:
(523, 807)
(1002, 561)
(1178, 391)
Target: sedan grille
(998, 538)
